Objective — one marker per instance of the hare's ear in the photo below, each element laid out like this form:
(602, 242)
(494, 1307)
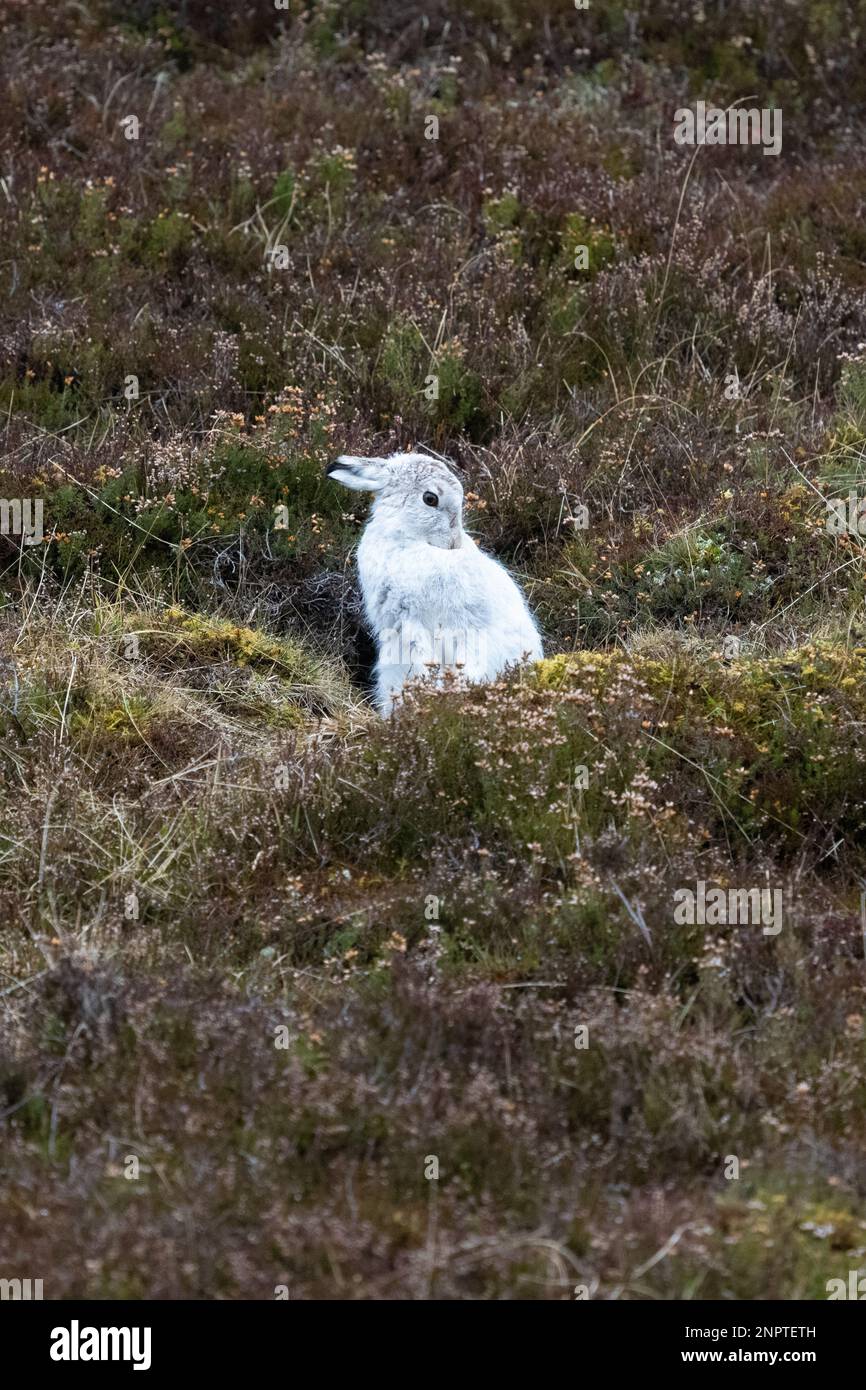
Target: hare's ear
(361, 474)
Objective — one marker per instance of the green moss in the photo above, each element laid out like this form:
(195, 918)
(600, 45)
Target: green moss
(179, 639)
(129, 721)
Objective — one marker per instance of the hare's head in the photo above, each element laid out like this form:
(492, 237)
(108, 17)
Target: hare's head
(416, 497)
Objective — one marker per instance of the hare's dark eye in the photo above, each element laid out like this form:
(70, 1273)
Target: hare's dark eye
(431, 499)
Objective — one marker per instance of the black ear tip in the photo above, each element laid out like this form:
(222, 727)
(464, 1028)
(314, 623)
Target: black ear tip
(332, 468)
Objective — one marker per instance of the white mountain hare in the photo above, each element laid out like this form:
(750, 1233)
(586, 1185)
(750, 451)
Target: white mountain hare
(434, 601)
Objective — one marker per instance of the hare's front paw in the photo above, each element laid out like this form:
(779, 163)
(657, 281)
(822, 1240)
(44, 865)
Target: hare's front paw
(389, 683)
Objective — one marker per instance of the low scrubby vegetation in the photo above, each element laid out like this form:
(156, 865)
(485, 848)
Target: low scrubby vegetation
(266, 960)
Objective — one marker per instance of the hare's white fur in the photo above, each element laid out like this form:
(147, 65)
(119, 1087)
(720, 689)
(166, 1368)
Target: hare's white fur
(434, 601)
